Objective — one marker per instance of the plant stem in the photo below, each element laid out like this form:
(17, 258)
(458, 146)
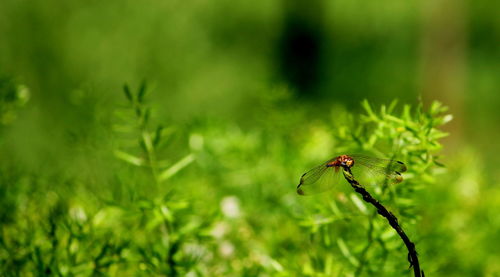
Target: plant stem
(370, 239)
(366, 248)
(393, 221)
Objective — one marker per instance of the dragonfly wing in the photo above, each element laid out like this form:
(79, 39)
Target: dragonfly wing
(318, 179)
(390, 169)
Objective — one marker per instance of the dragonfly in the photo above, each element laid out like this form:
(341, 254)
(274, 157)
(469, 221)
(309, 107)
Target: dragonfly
(326, 175)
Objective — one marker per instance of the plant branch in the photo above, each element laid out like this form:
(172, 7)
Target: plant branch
(393, 221)
(370, 238)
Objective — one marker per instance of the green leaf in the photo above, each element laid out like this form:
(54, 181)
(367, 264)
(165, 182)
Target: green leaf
(335, 209)
(392, 106)
(148, 143)
(168, 215)
(145, 118)
(141, 92)
(347, 254)
(358, 203)
(326, 236)
(127, 92)
(437, 135)
(369, 110)
(157, 136)
(387, 234)
(394, 119)
(171, 171)
(404, 202)
(439, 164)
(129, 158)
(406, 113)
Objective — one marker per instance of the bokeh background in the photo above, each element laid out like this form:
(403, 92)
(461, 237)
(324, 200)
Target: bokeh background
(248, 95)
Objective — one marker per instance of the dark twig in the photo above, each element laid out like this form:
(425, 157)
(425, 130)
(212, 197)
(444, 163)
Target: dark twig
(393, 221)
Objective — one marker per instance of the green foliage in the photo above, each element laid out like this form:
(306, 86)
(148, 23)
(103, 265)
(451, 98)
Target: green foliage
(148, 142)
(372, 246)
(195, 173)
(210, 197)
(66, 235)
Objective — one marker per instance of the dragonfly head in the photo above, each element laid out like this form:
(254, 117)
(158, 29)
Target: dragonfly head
(345, 161)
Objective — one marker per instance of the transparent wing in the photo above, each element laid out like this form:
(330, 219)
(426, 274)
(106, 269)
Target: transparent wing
(318, 179)
(390, 169)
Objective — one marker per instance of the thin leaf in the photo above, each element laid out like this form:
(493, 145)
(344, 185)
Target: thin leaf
(127, 92)
(171, 171)
(148, 143)
(129, 158)
(392, 106)
(347, 254)
(147, 114)
(157, 136)
(359, 204)
(439, 164)
(394, 119)
(141, 92)
(369, 110)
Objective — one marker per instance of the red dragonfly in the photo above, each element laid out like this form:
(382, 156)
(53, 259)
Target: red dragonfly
(326, 175)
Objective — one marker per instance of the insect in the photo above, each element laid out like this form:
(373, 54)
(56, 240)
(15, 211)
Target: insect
(326, 175)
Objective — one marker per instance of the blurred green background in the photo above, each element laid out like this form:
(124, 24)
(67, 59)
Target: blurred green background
(246, 96)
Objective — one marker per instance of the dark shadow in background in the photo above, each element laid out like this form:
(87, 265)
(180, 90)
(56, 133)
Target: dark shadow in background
(322, 64)
(300, 46)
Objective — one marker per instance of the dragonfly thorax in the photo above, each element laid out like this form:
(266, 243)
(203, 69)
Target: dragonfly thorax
(341, 161)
